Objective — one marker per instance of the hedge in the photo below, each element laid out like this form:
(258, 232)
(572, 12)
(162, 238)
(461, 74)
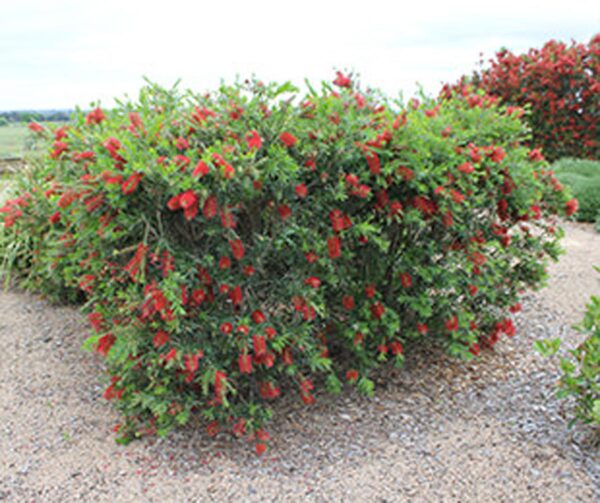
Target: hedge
(234, 246)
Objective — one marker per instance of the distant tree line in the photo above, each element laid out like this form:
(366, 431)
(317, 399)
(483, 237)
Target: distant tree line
(34, 115)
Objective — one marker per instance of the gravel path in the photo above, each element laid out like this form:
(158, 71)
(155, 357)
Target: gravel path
(437, 430)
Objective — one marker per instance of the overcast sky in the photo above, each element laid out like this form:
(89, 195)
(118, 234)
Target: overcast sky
(62, 53)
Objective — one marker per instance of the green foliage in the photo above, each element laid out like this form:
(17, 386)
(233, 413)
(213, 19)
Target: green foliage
(581, 369)
(236, 245)
(583, 178)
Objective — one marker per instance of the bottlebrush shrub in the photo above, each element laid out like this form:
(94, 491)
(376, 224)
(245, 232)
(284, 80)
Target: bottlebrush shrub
(235, 246)
(560, 86)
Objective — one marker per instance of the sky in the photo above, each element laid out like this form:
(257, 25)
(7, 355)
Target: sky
(63, 53)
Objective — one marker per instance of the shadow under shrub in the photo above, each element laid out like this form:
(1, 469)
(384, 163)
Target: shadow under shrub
(241, 244)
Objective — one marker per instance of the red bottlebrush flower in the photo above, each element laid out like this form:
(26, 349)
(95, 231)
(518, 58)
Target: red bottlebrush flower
(198, 296)
(508, 327)
(497, 155)
(396, 348)
(422, 328)
(475, 349)
(352, 180)
(160, 339)
(182, 144)
(348, 302)
(395, 208)
(352, 375)
(284, 211)
(259, 344)
(96, 320)
(377, 310)
(400, 120)
(334, 246)
(457, 197)
(245, 363)
(35, 127)
(224, 263)
(253, 140)
(239, 428)
(237, 249)
(220, 379)
(452, 324)
(133, 266)
(370, 291)
(373, 162)
(536, 155)
(466, 168)
(227, 219)
(342, 80)
(301, 190)
(260, 448)
(60, 147)
(478, 258)
(515, 308)
(96, 116)
(248, 270)
(201, 169)
(536, 212)
(210, 207)
(406, 173)
(181, 161)
(188, 199)
(311, 257)
(382, 349)
(235, 296)
(129, 185)
(184, 295)
(268, 390)
(54, 218)
(226, 328)
(571, 206)
(105, 343)
(228, 169)
(212, 428)
(258, 317)
(313, 281)
(270, 332)
(472, 290)
(288, 139)
(286, 356)
(406, 279)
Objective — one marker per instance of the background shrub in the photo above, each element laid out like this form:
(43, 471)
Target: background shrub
(233, 246)
(559, 84)
(583, 178)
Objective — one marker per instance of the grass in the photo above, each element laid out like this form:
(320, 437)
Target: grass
(12, 140)
(583, 178)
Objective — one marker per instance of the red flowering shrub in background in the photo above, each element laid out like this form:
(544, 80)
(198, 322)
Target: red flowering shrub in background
(239, 245)
(560, 85)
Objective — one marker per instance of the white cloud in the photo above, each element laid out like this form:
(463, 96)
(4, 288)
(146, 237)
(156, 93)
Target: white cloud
(63, 53)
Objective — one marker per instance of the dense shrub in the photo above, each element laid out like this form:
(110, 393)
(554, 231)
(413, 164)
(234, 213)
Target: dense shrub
(581, 369)
(560, 85)
(234, 246)
(583, 178)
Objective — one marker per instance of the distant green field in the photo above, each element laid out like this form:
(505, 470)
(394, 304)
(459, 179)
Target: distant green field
(12, 140)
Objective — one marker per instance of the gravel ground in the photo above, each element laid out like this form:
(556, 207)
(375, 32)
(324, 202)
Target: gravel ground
(437, 430)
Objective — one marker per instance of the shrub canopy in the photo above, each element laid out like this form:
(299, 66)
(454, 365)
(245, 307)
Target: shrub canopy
(233, 246)
(559, 84)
